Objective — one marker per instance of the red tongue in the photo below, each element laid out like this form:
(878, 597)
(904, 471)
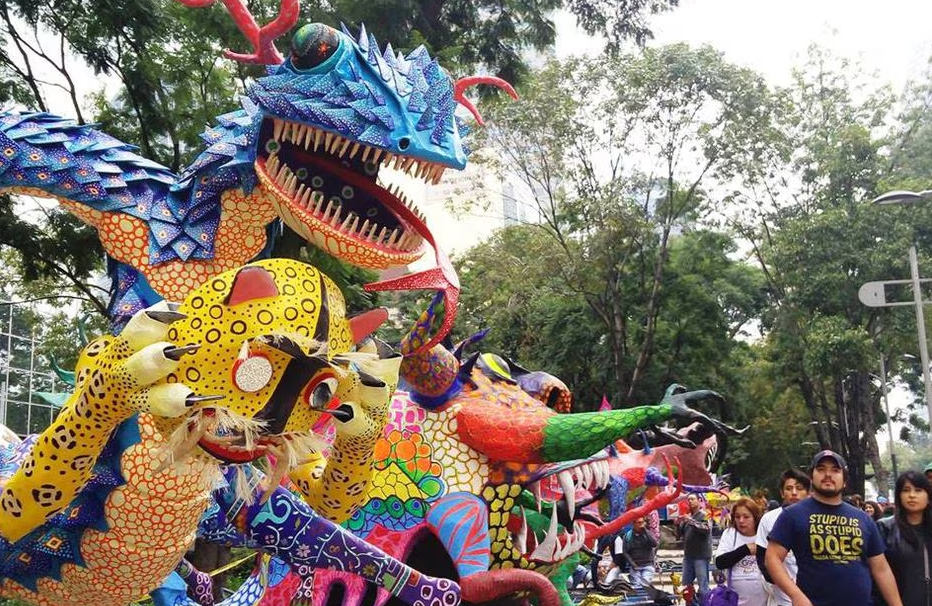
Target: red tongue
(228, 455)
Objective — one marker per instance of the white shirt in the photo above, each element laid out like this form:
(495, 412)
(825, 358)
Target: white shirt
(744, 576)
(763, 533)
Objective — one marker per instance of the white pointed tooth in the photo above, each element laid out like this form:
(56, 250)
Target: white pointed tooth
(308, 137)
(438, 175)
(393, 239)
(569, 491)
(277, 127)
(521, 538)
(328, 139)
(585, 476)
(564, 549)
(318, 199)
(345, 146)
(318, 137)
(329, 208)
(335, 219)
(605, 474)
(535, 490)
(398, 161)
(366, 150)
(546, 548)
(365, 226)
(407, 165)
(381, 237)
(354, 150)
(377, 153)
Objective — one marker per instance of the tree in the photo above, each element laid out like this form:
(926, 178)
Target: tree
(619, 156)
(496, 36)
(817, 239)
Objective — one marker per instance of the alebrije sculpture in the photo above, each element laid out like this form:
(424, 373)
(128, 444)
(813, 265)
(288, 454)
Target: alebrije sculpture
(461, 447)
(100, 507)
(306, 148)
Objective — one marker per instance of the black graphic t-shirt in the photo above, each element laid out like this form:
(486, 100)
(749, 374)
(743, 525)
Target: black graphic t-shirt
(832, 544)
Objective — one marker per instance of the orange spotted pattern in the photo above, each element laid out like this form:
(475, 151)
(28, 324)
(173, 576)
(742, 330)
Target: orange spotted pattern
(156, 514)
(240, 237)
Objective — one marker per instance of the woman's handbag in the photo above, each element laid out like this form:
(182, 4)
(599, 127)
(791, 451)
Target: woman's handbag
(723, 594)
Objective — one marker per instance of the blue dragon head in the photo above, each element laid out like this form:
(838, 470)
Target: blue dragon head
(335, 114)
(325, 124)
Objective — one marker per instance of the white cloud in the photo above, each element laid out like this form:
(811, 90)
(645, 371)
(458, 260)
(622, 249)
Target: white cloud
(890, 38)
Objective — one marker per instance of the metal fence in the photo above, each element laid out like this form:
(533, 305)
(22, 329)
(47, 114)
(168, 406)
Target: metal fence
(24, 374)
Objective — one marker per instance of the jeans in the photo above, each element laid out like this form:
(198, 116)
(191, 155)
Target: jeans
(696, 569)
(641, 576)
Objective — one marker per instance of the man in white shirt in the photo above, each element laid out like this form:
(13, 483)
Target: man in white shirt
(794, 487)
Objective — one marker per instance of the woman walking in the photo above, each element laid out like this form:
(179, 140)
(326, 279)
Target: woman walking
(737, 551)
(908, 535)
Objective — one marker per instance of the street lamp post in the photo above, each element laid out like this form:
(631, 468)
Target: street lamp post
(911, 197)
(886, 407)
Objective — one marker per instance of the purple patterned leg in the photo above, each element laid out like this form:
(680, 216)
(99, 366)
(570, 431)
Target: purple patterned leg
(287, 527)
(200, 585)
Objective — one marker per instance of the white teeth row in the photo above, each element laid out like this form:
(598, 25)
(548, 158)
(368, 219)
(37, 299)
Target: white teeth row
(396, 191)
(591, 476)
(554, 547)
(347, 222)
(308, 136)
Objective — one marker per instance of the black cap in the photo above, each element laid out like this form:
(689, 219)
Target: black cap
(828, 454)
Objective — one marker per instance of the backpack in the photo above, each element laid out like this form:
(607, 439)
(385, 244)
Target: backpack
(722, 595)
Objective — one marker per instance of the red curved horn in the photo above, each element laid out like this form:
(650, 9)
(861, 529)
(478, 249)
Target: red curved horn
(460, 86)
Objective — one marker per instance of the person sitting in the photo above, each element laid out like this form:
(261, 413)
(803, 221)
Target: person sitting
(639, 549)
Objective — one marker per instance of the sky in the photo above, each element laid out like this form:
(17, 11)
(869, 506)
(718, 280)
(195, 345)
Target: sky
(892, 38)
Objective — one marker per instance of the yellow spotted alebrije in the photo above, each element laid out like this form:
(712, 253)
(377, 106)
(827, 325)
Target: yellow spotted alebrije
(153, 516)
(221, 330)
(335, 486)
(114, 379)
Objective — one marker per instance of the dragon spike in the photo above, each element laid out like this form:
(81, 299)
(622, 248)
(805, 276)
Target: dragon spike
(460, 86)
(433, 371)
(423, 327)
(261, 38)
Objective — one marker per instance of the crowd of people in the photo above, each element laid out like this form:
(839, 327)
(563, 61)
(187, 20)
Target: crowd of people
(814, 548)
(820, 549)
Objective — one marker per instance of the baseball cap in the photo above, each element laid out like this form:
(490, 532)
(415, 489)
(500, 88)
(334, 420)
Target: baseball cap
(828, 454)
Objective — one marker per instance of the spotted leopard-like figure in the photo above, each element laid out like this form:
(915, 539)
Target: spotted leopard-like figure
(243, 368)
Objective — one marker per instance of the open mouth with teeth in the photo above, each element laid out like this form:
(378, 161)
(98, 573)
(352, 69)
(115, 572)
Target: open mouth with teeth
(328, 190)
(558, 486)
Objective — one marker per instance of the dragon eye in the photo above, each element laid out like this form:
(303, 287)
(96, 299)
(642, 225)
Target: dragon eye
(312, 45)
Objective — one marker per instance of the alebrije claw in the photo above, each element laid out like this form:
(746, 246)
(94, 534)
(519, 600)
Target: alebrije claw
(175, 353)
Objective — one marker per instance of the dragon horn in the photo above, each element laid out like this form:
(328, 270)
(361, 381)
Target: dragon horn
(262, 38)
